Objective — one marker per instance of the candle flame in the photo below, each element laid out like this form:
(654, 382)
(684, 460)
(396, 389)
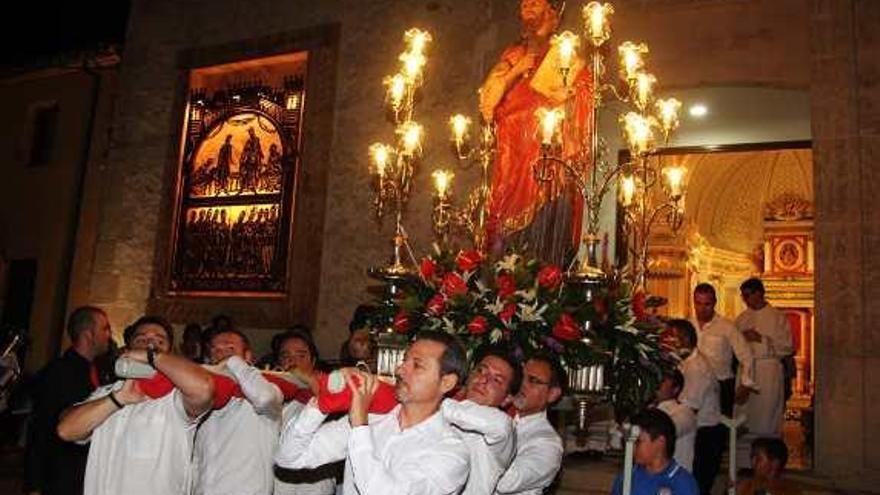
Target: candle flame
(442, 181)
(550, 120)
(596, 19)
(380, 154)
(411, 136)
(631, 58)
(459, 124)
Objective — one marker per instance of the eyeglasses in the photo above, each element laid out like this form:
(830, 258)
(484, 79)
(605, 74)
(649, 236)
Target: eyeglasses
(533, 380)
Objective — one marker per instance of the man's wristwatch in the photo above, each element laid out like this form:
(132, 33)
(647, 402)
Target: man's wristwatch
(151, 357)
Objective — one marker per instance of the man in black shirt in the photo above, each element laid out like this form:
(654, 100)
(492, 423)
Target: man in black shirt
(53, 466)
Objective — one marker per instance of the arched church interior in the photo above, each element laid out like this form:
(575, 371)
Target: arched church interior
(259, 161)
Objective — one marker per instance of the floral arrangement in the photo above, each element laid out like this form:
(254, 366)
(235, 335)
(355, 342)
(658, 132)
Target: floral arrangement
(526, 305)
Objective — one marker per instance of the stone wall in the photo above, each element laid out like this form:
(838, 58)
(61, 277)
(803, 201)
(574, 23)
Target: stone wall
(846, 129)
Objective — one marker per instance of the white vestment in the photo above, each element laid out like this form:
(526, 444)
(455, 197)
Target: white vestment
(764, 409)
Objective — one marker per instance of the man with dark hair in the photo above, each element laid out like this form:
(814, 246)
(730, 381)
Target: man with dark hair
(655, 471)
(298, 354)
(481, 420)
(769, 456)
(767, 331)
(666, 400)
(141, 445)
(52, 465)
(700, 393)
(235, 444)
(411, 450)
(719, 340)
(359, 345)
(538, 447)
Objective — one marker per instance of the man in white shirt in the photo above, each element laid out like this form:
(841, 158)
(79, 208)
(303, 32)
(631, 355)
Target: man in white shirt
(235, 444)
(683, 416)
(298, 354)
(538, 446)
(769, 336)
(719, 340)
(411, 450)
(701, 394)
(141, 445)
(485, 427)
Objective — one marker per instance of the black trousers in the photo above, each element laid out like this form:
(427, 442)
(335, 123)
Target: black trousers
(708, 448)
(728, 393)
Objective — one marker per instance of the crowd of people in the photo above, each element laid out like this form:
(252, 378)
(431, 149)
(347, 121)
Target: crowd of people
(209, 417)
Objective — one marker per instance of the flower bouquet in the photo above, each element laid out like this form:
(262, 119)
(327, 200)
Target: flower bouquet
(526, 305)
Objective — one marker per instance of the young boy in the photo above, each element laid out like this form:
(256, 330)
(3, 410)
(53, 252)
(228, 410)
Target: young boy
(655, 470)
(769, 456)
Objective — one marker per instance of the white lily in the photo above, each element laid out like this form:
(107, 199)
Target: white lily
(497, 307)
(508, 263)
(481, 287)
(527, 295)
(531, 312)
(495, 335)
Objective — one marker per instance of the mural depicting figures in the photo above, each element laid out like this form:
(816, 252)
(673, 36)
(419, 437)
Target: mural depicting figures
(241, 156)
(224, 246)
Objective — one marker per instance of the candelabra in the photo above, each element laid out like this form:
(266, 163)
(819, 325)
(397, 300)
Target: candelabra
(393, 167)
(471, 218)
(588, 170)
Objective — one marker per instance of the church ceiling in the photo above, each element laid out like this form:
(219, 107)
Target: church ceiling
(728, 191)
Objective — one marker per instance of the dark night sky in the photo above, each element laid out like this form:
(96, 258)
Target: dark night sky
(37, 29)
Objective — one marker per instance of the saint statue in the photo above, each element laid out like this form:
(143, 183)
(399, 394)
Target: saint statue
(544, 216)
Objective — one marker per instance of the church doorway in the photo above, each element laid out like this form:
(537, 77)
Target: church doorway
(750, 213)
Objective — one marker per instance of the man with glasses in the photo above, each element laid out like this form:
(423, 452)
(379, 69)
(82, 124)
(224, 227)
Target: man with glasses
(538, 446)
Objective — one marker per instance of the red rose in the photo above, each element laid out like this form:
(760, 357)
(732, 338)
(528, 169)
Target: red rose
(566, 328)
(401, 322)
(478, 325)
(638, 305)
(436, 305)
(506, 285)
(468, 260)
(550, 277)
(453, 285)
(507, 313)
(427, 268)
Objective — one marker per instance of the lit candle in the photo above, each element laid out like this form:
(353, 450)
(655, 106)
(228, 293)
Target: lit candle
(668, 110)
(596, 22)
(410, 136)
(627, 190)
(631, 58)
(567, 43)
(644, 86)
(675, 178)
(396, 89)
(550, 120)
(442, 181)
(380, 153)
(416, 40)
(459, 124)
(638, 131)
(412, 65)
